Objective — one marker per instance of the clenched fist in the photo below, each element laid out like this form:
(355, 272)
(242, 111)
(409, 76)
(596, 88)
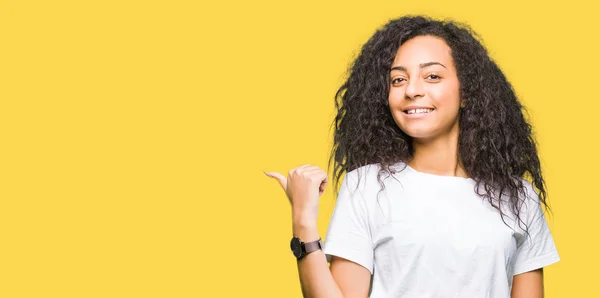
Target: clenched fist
(303, 187)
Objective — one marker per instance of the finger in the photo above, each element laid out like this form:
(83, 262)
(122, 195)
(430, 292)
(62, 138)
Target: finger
(313, 169)
(316, 171)
(303, 166)
(321, 175)
(322, 187)
(306, 168)
(279, 177)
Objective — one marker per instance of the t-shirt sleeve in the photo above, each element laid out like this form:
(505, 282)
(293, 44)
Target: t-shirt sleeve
(538, 249)
(349, 235)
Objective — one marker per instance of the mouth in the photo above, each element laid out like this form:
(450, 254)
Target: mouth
(418, 111)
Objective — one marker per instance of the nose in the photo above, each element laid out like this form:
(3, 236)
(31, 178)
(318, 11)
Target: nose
(414, 89)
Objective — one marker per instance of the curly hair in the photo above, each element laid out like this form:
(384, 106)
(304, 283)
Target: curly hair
(495, 143)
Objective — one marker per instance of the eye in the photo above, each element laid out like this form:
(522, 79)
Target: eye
(396, 80)
(434, 77)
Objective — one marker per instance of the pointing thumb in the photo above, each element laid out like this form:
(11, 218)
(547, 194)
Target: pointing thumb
(280, 178)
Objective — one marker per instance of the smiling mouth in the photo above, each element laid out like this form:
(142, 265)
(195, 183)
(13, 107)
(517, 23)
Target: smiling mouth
(418, 111)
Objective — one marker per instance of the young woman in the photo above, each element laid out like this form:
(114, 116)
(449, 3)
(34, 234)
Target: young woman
(435, 201)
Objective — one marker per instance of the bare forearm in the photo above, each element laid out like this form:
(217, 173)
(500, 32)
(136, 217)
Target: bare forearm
(315, 277)
(528, 285)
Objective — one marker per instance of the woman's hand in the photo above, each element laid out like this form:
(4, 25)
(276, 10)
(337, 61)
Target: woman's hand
(303, 187)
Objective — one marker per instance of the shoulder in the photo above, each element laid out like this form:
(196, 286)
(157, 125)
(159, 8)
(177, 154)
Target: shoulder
(528, 205)
(529, 188)
(527, 195)
(530, 200)
(365, 176)
(371, 179)
(369, 169)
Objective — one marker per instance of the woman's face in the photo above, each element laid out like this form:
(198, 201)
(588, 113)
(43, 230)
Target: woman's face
(423, 76)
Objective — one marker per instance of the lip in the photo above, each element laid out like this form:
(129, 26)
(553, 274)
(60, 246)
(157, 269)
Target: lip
(415, 107)
(417, 115)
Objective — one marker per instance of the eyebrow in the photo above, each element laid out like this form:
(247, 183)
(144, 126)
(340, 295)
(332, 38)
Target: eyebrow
(422, 65)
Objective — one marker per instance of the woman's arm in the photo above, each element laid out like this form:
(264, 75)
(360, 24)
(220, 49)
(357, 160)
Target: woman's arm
(528, 285)
(344, 279)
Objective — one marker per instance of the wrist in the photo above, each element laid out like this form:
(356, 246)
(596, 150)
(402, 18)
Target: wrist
(304, 217)
(306, 230)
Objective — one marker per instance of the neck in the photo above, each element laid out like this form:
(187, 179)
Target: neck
(438, 156)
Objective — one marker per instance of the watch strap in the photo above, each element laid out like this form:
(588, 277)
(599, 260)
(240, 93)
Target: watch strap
(312, 246)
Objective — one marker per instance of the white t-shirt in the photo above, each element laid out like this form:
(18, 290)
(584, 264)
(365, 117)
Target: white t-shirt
(427, 235)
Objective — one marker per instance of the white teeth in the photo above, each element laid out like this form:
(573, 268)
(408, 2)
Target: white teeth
(419, 111)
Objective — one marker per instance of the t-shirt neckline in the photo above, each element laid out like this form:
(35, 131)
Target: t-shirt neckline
(439, 177)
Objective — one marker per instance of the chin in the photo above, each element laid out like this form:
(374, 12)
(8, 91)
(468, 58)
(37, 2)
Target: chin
(420, 135)
(418, 132)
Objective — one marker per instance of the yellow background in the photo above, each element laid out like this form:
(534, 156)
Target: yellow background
(134, 135)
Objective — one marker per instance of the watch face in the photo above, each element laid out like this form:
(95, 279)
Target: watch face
(296, 247)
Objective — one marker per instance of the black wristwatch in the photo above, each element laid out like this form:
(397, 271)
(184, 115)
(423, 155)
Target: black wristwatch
(301, 249)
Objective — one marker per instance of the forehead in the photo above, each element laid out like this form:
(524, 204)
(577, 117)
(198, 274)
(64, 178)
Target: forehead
(422, 49)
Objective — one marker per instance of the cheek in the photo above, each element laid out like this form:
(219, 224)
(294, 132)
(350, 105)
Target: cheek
(394, 101)
(445, 97)
(395, 96)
